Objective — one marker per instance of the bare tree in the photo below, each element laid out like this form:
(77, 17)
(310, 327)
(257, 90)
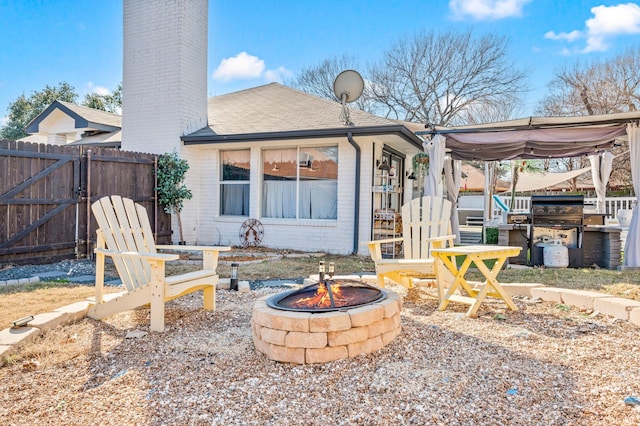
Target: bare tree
(318, 80)
(600, 87)
(451, 78)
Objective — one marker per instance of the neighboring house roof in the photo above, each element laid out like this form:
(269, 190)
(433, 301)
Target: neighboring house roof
(473, 180)
(35, 138)
(274, 111)
(111, 139)
(84, 117)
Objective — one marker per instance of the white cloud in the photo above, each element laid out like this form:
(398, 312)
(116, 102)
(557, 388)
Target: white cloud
(486, 10)
(99, 90)
(277, 75)
(240, 67)
(607, 23)
(572, 36)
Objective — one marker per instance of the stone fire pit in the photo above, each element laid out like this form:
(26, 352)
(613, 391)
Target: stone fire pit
(310, 337)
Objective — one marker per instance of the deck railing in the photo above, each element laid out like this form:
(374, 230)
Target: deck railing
(523, 204)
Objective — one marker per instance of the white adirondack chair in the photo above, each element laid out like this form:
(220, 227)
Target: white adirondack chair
(426, 224)
(125, 235)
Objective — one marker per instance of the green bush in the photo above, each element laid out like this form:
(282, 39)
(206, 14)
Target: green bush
(491, 235)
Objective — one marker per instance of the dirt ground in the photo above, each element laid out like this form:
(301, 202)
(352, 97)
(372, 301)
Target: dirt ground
(545, 364)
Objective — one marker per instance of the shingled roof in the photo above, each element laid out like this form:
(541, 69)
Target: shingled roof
(275, 109)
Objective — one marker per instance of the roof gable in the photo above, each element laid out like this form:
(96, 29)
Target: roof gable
(82, 118)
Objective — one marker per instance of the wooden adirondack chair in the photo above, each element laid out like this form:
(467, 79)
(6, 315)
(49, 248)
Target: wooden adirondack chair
(426, 224)
(125, 235)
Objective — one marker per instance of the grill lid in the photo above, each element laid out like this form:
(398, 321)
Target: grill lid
(573, 200)
(557, 209)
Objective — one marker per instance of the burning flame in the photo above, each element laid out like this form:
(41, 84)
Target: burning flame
(322, 299)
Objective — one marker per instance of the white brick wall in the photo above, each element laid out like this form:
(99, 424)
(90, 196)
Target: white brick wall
(164, 73)
(309, 235)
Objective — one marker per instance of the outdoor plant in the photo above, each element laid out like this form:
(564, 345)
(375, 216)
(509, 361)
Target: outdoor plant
(491, 235)
(171, 188)
(420, 163)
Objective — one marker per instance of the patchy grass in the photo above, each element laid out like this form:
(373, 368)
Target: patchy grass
(19, 301)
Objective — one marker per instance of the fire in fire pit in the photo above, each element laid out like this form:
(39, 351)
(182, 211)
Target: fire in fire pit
(327, 295)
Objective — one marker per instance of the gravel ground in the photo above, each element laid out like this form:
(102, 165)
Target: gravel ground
(72, 268)
(542, 365)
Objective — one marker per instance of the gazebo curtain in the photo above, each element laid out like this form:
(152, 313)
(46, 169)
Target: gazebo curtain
(601, 165)
(435, 148)
(452, 179)
(632, 246)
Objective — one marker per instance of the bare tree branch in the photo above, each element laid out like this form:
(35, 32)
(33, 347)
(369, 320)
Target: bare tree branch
(452, 78)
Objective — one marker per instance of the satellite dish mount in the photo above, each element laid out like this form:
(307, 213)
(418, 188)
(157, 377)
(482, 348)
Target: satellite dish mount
(348, 87)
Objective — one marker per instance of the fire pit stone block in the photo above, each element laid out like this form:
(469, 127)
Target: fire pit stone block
(271, 336)
(329, 321)
(285, 354)
(365, 347)
(341, 338)
(382, 326)
(366, 315)
(296, 339)
(388, 337)
(285, 320)
(328, 354)
(394, 306)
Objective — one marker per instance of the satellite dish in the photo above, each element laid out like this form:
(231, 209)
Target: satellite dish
(348, 86)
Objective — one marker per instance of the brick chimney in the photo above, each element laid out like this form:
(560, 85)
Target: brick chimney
(164, 73)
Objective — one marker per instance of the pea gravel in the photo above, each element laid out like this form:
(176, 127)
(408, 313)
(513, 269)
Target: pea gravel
(542, 365)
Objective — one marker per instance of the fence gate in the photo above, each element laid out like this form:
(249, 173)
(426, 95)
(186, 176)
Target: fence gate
(39, 195)
(45, 196)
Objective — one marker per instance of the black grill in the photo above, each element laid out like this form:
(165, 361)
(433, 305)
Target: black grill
(551, 210)
(558, 216)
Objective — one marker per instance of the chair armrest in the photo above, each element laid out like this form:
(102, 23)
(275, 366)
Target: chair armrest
(385, 241)
(441, 238)
(193, 248)
(149, 256)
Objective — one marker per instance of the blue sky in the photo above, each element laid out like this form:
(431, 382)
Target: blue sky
(254, 42)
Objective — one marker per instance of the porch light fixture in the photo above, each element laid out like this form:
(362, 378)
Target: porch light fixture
(384, 166)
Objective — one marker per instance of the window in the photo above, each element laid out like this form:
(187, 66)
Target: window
(234, 182)
(300, 183)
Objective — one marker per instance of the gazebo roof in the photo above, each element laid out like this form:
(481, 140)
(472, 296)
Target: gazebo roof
(536, 137)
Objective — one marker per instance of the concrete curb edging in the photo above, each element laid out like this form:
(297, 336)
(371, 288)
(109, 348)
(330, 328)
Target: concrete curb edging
(12, 338)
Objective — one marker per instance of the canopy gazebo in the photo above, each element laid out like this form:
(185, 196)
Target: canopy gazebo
(542, 138)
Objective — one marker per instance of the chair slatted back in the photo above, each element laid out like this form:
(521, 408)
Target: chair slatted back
(125, 226)
(423, 218)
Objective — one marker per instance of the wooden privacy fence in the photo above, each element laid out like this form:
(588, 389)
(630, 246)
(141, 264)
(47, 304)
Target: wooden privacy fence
(46, 193)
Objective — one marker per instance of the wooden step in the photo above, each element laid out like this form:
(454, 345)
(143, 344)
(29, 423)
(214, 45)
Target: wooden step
(475, 221)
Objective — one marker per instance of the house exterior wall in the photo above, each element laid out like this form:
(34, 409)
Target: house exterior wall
(164, 73)
(334, 236)
(57, 139)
